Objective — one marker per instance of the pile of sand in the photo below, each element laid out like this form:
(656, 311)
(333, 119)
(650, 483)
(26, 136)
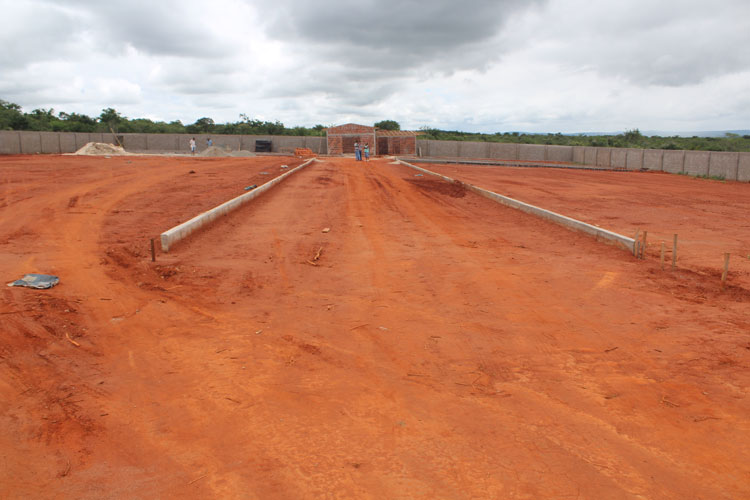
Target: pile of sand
(223, 151)
(100, 148)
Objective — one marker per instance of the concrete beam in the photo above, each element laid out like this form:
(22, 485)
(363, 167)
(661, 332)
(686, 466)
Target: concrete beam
(177, 233)
(597, 232)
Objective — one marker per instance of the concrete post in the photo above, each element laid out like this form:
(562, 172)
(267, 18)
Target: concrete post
(684, 154)
(737, 169)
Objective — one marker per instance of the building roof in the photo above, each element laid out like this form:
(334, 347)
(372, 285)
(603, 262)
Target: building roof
(397, 133)
(350, 128)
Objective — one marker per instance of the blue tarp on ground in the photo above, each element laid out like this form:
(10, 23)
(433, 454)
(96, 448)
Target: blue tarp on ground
(37, 281)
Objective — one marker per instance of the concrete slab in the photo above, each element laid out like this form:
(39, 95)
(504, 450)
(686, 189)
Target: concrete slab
(164, 142)
(503, 151)
(67, 142)
(603, 157)
(579, 154)
(50, 142)
(619, 158)
(623, 242)
(10, 142)
(652, 159)
(471, 149)
(696, 162)
(182, 231)
(743, 171)
(531, 152)
(446, 149)
(135, 142)
(634, 159)
(31, 143)
(82, 138)
(673, 161)
(724, 165)
(560, 153)
(589, 155)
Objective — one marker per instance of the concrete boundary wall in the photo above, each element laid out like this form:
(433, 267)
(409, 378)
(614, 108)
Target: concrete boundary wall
(182, 231)
(13, 142)
(598, 233)
(730, 166)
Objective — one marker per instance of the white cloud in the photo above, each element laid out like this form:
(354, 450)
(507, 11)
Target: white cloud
(485, 65)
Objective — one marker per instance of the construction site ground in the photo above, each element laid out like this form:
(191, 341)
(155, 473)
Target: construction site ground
(361, 331)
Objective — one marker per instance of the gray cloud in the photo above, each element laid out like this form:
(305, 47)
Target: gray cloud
(364, 52)
(664, 43)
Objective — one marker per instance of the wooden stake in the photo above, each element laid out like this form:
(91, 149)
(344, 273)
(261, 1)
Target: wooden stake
(726, 270)
(643, 246)
(662, 256)
(674, 252)
(635, 242)
(153, 251)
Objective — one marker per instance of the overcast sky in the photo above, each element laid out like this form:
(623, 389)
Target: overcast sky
(473, 65)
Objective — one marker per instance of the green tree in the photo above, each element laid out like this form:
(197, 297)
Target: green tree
(111, 119)
(11, 117)
(203, 125)
(388, 125)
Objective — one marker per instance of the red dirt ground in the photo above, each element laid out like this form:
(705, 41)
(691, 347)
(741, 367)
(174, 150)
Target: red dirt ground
(710, 217)
(441, 346)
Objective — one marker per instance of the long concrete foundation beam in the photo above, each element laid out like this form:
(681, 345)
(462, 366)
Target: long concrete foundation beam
(597, 232)
(177, 233)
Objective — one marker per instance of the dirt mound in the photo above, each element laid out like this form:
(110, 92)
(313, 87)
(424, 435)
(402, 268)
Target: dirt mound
(215, 151)
(100, 148)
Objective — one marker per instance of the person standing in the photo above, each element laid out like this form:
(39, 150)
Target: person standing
(209, 142)
(357, 152)
(367, 151)
(192, 146)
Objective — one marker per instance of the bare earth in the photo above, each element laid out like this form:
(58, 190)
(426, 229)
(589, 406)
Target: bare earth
(440, 346)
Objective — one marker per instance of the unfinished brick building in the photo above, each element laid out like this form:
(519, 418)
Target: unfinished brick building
(396, 142)
(341, 140)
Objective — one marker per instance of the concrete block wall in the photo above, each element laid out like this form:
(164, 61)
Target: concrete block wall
(652, 159)
(503, 151)
(579, 154)
(618, 158)
(532, 152)
(163, 142)
(560, 153)
(473, 149)
(731, 166)
(634, 159)
(696, 163)
(29, 142)
(724, 164)
(603, 157)
(743, 173)
(673, 162)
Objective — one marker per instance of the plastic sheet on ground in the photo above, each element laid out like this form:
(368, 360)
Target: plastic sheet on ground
(40, 281)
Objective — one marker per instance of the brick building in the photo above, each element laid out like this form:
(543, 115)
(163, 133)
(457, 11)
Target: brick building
(396, 142)
(341, 140)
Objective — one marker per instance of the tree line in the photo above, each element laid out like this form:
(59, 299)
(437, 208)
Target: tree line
(12, 117)
(630, 139)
